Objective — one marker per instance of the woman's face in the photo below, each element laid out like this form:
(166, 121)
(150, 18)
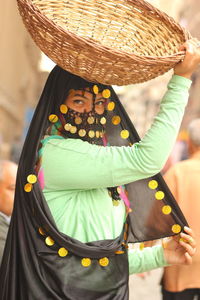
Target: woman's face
(82, 101)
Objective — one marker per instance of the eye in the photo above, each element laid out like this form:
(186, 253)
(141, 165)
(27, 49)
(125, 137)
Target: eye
(78, 102)
(100, 102)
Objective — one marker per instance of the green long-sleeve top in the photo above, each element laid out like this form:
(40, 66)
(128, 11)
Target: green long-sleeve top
(77, 174)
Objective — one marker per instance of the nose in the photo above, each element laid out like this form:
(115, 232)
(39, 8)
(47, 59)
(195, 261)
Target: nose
(88, 106)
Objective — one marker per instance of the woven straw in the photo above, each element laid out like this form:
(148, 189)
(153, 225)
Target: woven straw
(112, 42)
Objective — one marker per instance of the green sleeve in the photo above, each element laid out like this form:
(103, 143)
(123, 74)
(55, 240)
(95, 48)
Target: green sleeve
(147, 259)
(74, 164)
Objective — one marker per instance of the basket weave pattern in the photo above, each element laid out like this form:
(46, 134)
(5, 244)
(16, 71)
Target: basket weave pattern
(112, 42)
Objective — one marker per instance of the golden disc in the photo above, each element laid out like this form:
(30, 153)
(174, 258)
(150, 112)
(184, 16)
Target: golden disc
(116, 120)
(31, 178)
(62, 252)
(111, 106)
(104, 261)
(63, 109)
(153, 184)
(86, 262)
(49, 241)
(28, 187)
(53, 118)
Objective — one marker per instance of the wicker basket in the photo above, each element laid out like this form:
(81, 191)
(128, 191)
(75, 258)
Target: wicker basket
(108, 41)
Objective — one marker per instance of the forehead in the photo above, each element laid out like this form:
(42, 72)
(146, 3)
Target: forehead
(83, 92)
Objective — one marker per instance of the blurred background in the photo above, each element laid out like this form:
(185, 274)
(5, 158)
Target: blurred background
(24, 71)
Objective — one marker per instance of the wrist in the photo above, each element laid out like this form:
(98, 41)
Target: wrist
(186, 75)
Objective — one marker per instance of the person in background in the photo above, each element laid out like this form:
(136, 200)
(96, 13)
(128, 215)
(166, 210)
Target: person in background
(8, 172)
(183, 282)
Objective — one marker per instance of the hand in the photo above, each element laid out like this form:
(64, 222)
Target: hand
(191, 61)
(180, 248)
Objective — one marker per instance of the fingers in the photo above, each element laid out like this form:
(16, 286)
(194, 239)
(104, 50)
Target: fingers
(188, 242)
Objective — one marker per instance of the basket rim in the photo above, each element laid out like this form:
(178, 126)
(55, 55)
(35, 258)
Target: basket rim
(106, 49)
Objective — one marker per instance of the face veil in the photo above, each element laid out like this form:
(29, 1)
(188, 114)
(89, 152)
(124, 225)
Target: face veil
(34, 264)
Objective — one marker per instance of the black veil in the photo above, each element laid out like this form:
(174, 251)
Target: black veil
(33, 270)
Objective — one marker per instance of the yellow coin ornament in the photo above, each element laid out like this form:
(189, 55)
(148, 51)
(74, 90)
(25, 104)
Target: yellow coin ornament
(67, 126)
(78, 120)
(90, 120)
(159, 195)
(63, 109)
(111, 106)
(32, 178)
(166, 209)
(106, 93)
(28, 187)
(116, 120)
(104, 262)
(41, 231)
(176, 228)
(124, 134)
(103, 121)
(86, 262)
(49, 241)
(95, 89)
(153, 184)
(73, 129)
(82, 132)
(62, 252)
(53, 118)
(91, 134)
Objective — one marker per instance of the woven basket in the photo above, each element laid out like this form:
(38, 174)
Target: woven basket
(116, 42)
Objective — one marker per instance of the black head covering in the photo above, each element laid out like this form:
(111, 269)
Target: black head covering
(32, 269)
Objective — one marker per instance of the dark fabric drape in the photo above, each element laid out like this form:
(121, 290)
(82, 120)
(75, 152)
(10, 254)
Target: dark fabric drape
(33, 270)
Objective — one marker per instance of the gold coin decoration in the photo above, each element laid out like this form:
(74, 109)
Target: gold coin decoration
(176, 228)
(101, 133)
(62, 252)
(82, 132)
(67, 126)
(153, 184)
(41, 231)
(78, 120)
(119, 252)
(90, 120)
(104, 261)
(111, 106)
(106, 93)
(86, 262)
(159, 195)
(116, 120)
(166, 209)
(95, 89)
(97, 134)
(49, 241)
(115, 202)
(91, 134)
(124, 134)
(63, 109)
(31, 178)
(73, 129)
(141, 246)
(103, 121)
(53, 118)
(28, 187)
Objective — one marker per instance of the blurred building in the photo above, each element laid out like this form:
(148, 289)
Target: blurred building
(19, 76)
